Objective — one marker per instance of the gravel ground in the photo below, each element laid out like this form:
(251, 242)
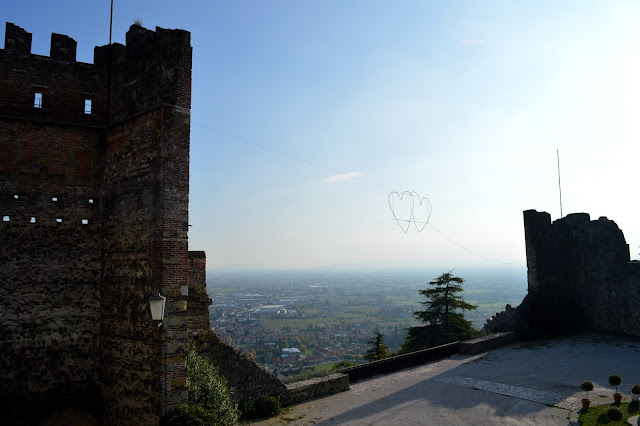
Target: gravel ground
(536, 383)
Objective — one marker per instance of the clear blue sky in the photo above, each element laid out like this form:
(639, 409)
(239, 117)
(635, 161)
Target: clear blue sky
(464, 102)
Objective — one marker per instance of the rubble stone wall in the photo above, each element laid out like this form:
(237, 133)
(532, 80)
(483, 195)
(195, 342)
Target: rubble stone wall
(199, 301)
(245, 377)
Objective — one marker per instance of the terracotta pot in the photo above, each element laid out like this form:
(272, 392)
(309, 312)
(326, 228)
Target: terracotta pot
(585, 403)
(617, 397)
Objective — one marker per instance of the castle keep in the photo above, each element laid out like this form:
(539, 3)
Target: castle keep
(94, 186)
(94, 200)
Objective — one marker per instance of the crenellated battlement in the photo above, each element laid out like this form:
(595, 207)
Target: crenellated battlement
(153, 68)
(17, 41)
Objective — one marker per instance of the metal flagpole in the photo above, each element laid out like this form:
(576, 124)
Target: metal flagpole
(110, 60)
(559, 186)
(111, 22)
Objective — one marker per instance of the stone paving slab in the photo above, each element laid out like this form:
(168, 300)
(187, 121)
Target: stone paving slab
(548, 398)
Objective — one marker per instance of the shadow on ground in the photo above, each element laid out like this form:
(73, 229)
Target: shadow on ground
(420, 396)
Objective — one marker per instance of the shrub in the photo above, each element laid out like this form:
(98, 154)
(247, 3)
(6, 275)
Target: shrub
(343, 364)
(264, 406)
(208, 389)
(190, 415)
(635, 389)
(615, 380)
(614, 414)
(587, 386)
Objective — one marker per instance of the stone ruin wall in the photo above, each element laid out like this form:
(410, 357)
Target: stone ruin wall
(580, 278)
(245, 377)
(199, 301)
(108, 194)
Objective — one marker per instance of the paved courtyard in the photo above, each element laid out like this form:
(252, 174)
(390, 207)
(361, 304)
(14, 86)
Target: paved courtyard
(535, 383)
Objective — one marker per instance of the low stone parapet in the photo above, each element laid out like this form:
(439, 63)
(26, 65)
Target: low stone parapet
(483, 344)
(318, 387)
(400, 362)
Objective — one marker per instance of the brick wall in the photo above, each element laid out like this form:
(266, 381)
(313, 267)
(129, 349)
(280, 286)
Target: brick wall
(63, 83)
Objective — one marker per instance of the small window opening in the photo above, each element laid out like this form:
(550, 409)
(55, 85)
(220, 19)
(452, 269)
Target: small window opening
(16, 196)
(85, 221)
(54, 199)
(6, 218)
(33, 220)
(90, 200)
(59, 220)
(87, 106)
(37, 100)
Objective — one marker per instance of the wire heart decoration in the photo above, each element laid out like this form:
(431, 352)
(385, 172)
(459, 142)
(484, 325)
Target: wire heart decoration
(421, 209)
(404, 207)
(403, 211)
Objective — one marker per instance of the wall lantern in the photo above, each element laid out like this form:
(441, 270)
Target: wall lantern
(156, 303)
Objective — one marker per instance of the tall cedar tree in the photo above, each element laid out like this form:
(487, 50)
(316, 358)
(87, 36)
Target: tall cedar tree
(378, 349)
(443, 318)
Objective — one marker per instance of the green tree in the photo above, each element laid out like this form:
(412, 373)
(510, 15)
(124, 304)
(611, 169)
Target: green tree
(378, 349)
(443, 317)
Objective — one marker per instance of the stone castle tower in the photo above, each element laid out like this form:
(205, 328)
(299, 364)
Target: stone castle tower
(94, 200)
(94, 187)
(580, 278)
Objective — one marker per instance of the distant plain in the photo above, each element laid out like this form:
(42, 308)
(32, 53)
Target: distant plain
(385, 297)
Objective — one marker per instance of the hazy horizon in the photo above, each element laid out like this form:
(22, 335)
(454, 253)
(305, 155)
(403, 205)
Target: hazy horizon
(471, 275)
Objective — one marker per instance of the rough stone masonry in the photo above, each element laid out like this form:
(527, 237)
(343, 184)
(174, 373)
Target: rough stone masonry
(580, 278)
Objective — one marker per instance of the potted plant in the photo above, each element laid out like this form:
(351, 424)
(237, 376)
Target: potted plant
(586, 386)
(635, 393)
(615, 380)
